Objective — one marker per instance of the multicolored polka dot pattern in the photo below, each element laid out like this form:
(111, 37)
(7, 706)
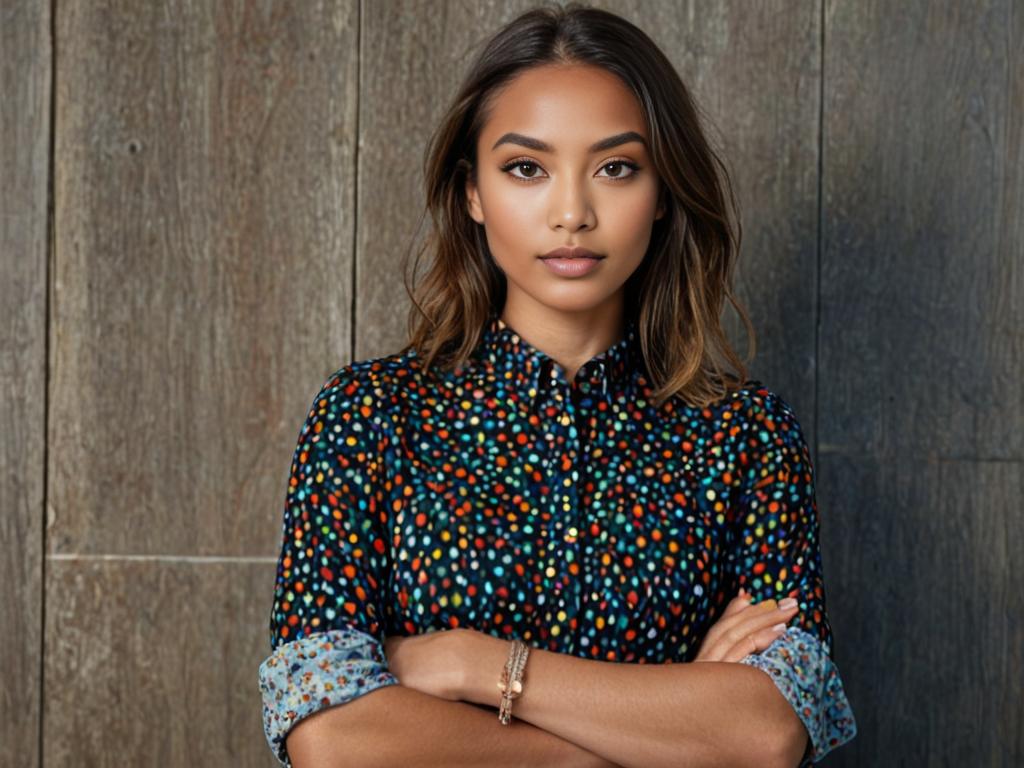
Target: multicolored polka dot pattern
(573, 515)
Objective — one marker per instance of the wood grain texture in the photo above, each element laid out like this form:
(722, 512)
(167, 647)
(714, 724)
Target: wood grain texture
(922, 358)
(25, 85)
(922, 290)
(155, 663)
(924, 562)
(205, 221)
(204, 205)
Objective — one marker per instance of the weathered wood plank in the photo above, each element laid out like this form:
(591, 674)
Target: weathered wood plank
(924, 557)
(155, 662)
(26, 78)
(922, 356)
(204, 231)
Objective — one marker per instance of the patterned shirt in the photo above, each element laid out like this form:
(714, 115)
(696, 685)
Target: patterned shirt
(573, 515)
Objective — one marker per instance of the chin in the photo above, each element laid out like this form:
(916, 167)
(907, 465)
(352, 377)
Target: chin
(582, 301)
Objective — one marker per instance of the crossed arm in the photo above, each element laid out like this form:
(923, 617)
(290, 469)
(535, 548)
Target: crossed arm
(398, 725)
(573, 712)
(648, 715)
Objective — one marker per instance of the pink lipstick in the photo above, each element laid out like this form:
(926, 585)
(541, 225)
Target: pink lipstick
(571, 262)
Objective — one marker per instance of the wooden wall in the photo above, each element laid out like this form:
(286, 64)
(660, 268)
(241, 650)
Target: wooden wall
(203, 207)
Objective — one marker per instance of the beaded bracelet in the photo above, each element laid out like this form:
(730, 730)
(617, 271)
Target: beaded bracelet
(511, 683)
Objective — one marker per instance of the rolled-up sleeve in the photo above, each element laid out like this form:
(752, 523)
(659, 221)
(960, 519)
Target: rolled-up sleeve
(327, 621)
(808, 678)
(775, 553)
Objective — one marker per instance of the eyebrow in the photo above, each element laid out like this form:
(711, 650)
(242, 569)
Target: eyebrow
(542, 146)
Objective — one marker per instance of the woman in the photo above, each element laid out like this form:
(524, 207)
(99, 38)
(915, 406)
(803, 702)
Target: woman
(558, 475)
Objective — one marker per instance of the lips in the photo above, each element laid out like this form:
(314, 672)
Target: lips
(566, 252)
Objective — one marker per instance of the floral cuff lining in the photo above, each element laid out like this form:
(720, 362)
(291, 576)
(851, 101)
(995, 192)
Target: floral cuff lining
(806, 675)
(309, 674)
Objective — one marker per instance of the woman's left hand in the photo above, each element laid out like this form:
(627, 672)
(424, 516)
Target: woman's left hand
(431, 662)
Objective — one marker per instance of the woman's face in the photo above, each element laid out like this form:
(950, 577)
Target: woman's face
(532, 199)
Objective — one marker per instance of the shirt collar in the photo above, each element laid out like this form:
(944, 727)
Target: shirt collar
(516, 360)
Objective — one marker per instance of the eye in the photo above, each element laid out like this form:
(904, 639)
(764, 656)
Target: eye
(633, 167)
(524, 163)
(519, 163)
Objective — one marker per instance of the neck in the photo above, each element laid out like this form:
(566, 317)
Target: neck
(569, 338)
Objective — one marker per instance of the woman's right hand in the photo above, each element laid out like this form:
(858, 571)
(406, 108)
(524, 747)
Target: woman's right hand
(744, 628)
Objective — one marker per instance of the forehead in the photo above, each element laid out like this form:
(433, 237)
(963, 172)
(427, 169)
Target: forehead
(569, 106)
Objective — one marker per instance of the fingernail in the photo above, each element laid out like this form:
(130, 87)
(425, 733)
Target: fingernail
(787, 603)
(779, 627)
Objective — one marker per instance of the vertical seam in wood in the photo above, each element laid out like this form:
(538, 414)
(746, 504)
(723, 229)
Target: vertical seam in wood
(355, 182)
(49, 270)
(821, 223)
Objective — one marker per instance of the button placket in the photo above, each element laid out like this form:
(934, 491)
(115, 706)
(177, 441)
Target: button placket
(566, 518)
(576, 419)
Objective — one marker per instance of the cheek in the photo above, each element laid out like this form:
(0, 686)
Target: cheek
(515, 226)
(628, 227)
(506, 213)
(631, 217)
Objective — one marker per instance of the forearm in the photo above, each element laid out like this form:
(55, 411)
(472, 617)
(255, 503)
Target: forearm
(692, 715)
(400, 725)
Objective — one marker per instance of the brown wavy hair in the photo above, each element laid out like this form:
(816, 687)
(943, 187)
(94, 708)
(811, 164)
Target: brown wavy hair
(676, 295)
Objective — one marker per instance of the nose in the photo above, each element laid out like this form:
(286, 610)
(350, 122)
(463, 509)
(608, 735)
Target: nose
(570, 207)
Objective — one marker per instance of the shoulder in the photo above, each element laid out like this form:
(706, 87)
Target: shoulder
(363, 390)
(384, 385)
(374, 377)
(758, 401)
(759, 415)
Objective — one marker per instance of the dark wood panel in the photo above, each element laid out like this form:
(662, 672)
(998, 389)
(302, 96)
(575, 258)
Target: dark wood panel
(922, 287)
(922, 564)
(25, 84)
(922, 306)
(204, 229)
(155, 663)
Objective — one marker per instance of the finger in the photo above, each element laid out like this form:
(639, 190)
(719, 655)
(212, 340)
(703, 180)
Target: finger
(755, 642)
(738, 603)
(731, 649)
(723, 634)
(731, 619)
(756, 619)
(731, 630)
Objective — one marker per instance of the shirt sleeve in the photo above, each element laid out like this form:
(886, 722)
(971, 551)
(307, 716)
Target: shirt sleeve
(327, 620)
(775, 553)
